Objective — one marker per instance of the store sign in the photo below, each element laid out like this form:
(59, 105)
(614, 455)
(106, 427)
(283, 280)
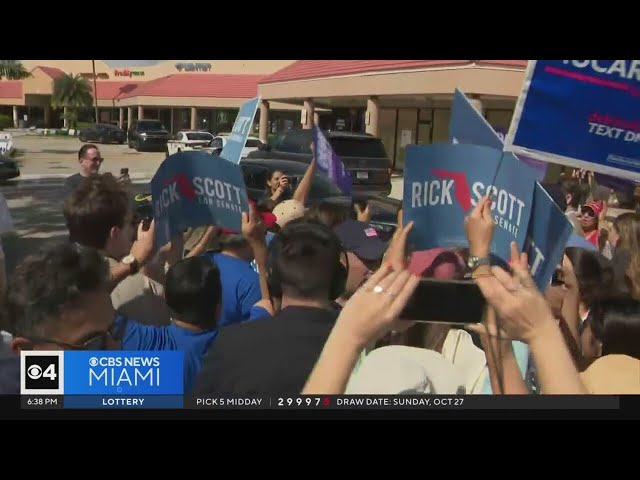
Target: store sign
(129, 73)
(100, 76)
(193, 67)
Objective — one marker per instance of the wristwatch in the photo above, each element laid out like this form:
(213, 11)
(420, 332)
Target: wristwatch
(132, 263)
(475, 262)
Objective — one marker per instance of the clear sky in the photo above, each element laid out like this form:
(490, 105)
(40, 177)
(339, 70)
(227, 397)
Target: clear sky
(128, 63)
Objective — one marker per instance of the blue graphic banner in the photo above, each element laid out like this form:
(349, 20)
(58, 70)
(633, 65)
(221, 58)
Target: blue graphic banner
(120, 373)
(582, 113)
(232, 150)
(467, 125)
(549, 231)
(192, 189)
(330, 163)
(442, 184)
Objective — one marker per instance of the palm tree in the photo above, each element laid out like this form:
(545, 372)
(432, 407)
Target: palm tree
(13, 70)
(73, 92)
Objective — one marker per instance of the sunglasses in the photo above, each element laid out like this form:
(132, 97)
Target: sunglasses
(99, 342)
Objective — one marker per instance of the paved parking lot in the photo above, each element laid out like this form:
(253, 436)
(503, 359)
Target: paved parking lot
(50, 157)
(36, 197)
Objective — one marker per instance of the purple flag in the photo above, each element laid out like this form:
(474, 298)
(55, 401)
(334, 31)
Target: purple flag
(330, 163)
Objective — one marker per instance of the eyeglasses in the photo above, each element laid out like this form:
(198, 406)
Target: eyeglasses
(99, 342)
(95, 159)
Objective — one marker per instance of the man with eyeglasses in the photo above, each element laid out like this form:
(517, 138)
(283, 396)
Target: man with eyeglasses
(58, 299)
(90, 161)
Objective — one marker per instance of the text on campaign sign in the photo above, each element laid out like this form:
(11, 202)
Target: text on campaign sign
(123, 373)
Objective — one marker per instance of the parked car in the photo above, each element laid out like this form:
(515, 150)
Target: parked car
(148, 135)
(189, 140)
(102, 133)
(8, 168)
(363, 155)
(219, 141)
(256, 171)
(6, 143)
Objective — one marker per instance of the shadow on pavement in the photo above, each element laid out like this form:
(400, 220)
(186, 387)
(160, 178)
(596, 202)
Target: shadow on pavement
(37, 211)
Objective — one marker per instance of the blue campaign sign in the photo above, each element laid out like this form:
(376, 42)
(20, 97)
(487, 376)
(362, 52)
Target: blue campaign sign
(442, 183)
(123, 373)
(582, 113)
(193, 189)
(549, 231)
(467, 125)
(546, 235)
(232, 150)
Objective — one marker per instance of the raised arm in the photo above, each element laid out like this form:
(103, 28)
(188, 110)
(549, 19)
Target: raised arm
(253, 230)
(526, 316)
(304, 187)
(142, 250)
(203, 243)
(366, 317)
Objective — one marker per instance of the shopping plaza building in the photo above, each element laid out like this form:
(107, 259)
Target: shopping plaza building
(401, 101)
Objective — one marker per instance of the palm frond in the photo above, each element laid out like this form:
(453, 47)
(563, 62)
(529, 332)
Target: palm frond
(71, 91)
(13, 70)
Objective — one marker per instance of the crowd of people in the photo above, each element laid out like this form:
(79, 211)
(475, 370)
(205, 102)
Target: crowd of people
(309, 298)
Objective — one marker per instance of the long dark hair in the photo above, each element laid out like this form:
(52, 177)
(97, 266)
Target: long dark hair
(627, 226)
(616, 323)
(595, 275)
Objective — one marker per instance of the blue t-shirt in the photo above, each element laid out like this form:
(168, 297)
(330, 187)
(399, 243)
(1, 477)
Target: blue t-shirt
(259, 312)
(240, 288)
(193, 344)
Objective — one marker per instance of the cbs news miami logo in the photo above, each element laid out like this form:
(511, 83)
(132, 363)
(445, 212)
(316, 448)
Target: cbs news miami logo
(101, 373)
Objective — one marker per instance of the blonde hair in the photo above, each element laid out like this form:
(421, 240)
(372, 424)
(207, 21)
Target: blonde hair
(627, 226)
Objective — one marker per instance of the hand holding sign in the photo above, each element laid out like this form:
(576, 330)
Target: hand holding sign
(443, 182)
(253, 228)
(479, 227)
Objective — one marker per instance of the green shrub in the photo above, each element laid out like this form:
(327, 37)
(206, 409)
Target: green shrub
(6, 122)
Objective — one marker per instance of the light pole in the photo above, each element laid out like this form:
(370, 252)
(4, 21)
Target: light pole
(95, 90)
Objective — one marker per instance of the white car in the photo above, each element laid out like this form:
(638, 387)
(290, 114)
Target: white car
(189, 140)
(6, 143)
(219, 141)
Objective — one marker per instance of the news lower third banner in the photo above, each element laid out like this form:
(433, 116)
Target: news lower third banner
(327, 402)
(102, 379)
(154, 380)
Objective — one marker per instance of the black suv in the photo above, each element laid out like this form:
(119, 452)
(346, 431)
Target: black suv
(102, 133)
(148, 135)
(363, 155)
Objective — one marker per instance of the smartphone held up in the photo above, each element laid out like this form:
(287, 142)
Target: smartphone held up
(445, 301)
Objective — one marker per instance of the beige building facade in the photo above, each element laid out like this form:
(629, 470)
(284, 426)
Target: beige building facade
(401, 101)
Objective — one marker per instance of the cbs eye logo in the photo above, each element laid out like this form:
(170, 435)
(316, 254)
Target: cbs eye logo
(41, 373)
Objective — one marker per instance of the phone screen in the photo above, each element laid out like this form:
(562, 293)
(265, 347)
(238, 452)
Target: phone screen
(451, 301)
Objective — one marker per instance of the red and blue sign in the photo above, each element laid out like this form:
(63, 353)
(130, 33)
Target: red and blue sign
(193, 189)
(442, 183)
